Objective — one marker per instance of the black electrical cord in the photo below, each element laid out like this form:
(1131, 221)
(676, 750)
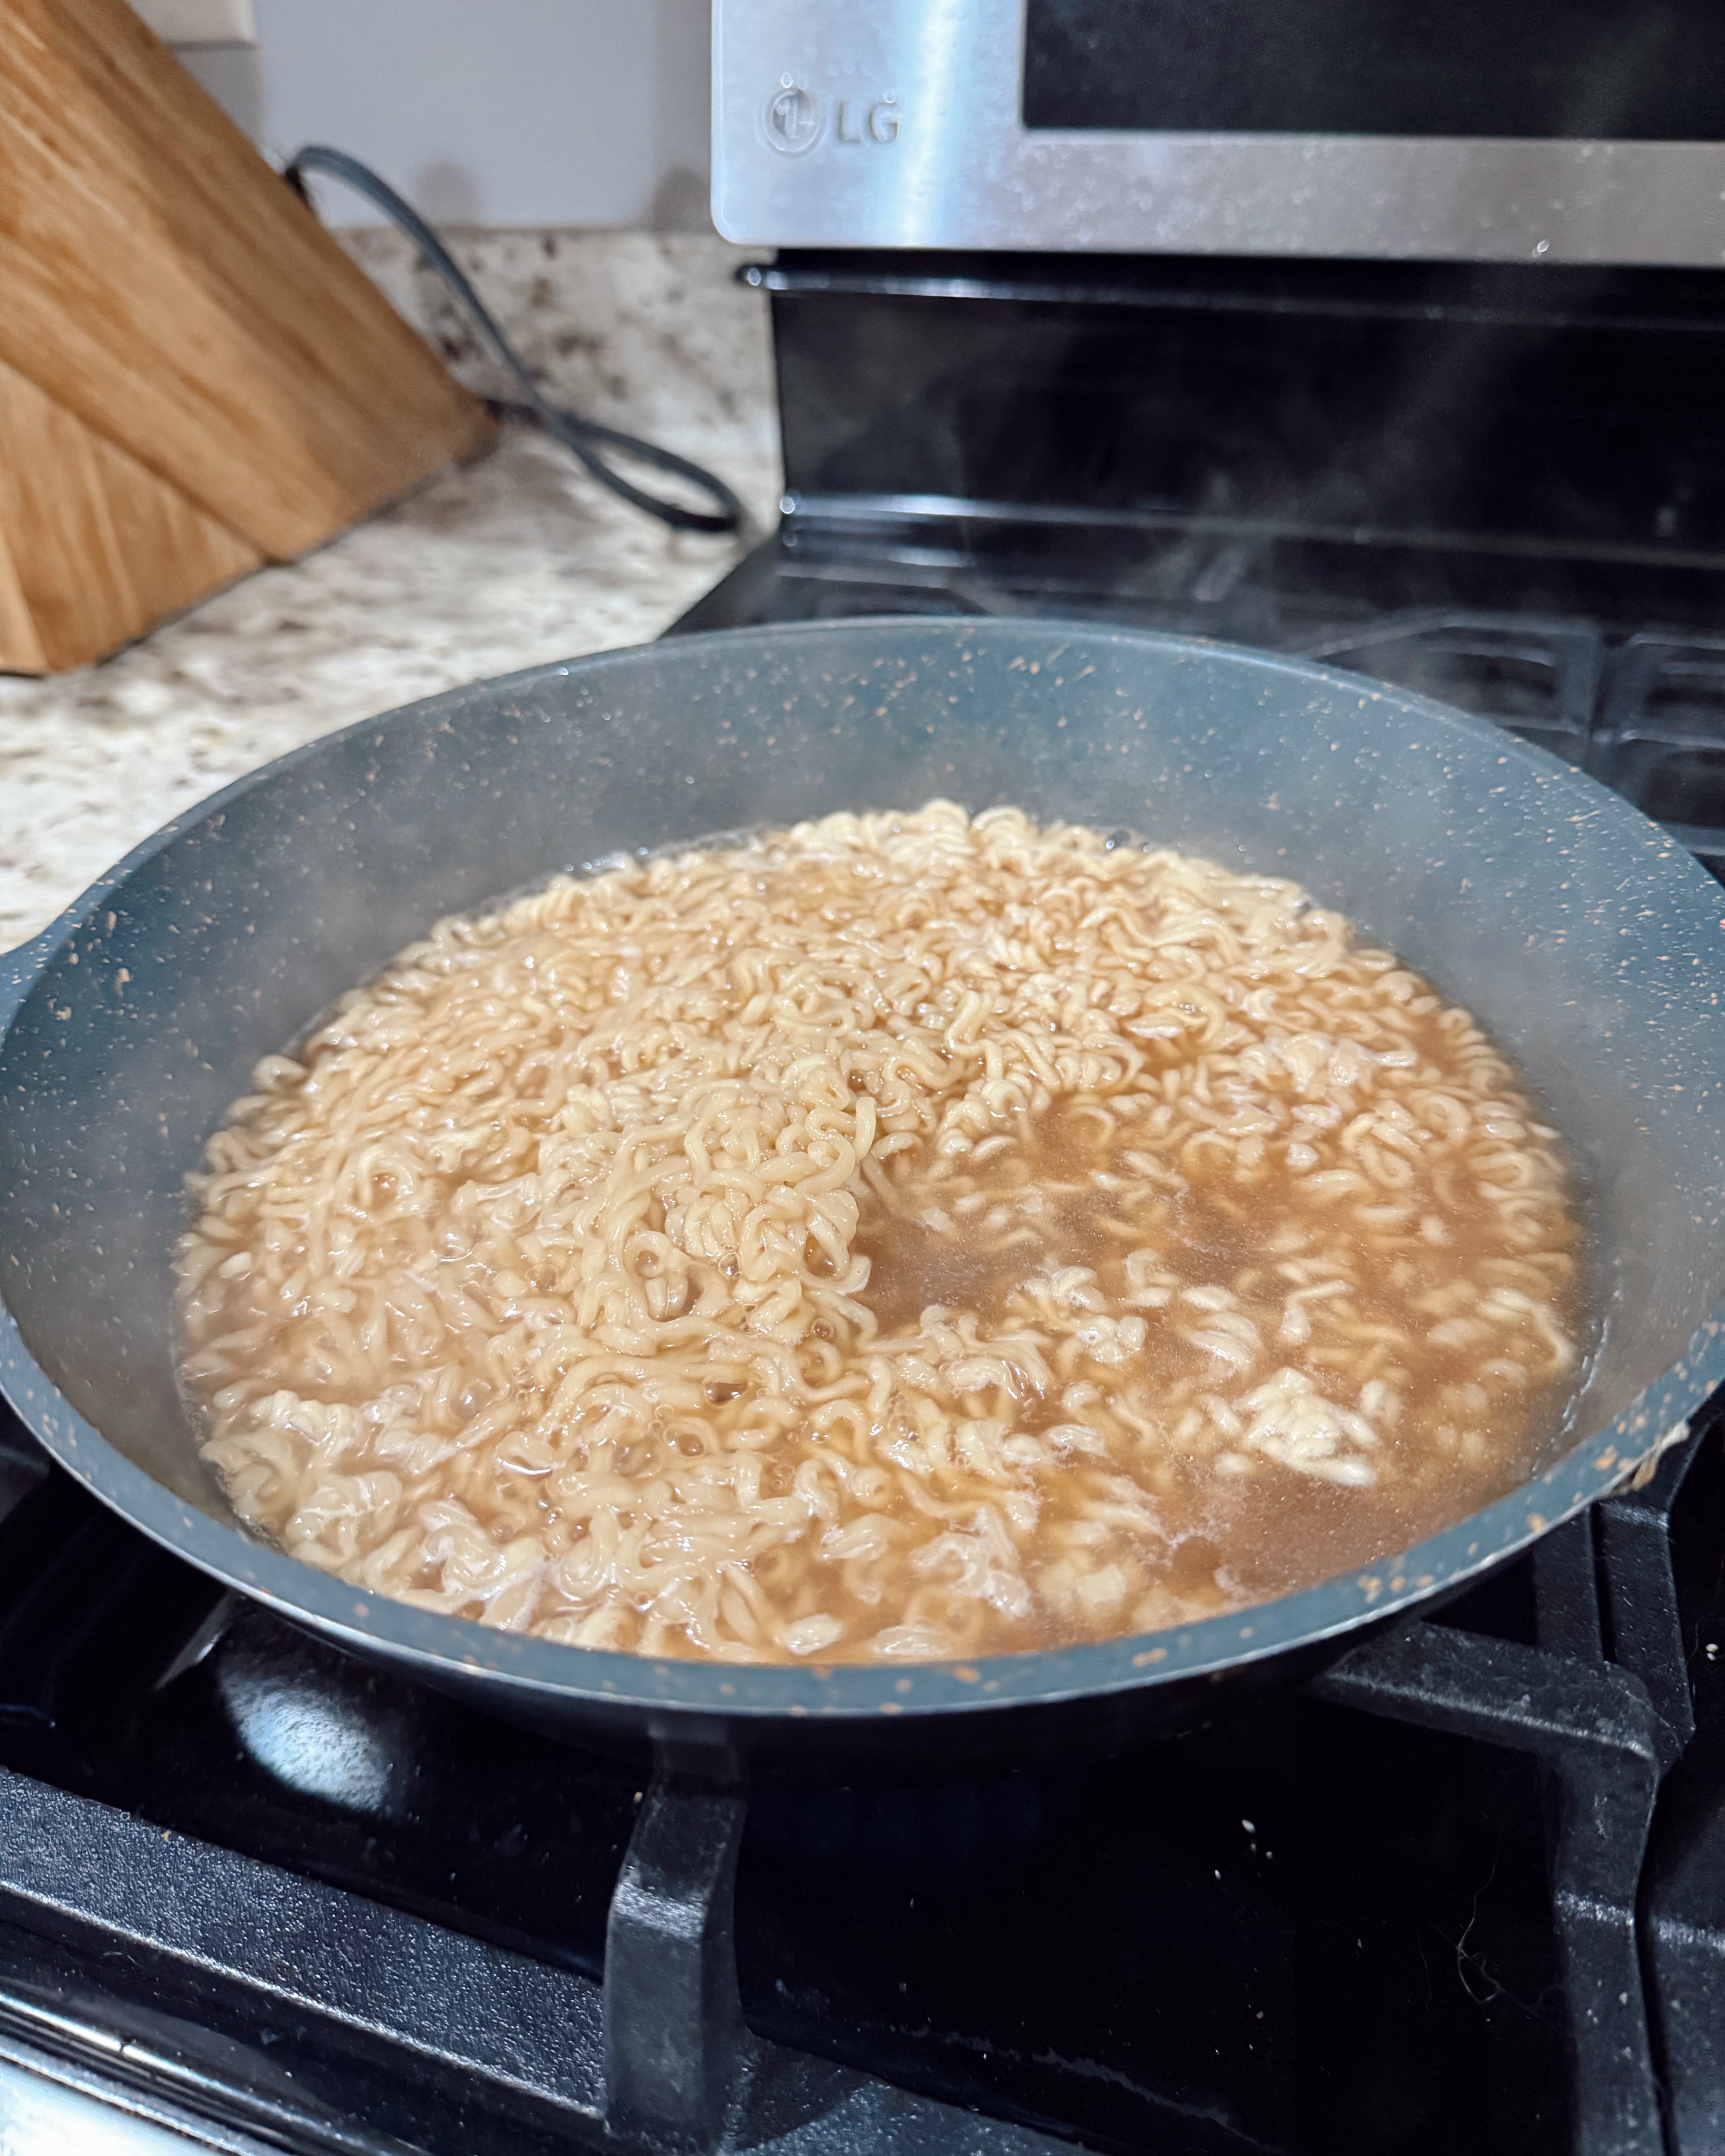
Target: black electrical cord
(585, 438)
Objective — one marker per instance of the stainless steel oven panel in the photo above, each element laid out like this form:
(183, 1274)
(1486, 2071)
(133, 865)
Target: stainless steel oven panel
(896, 123)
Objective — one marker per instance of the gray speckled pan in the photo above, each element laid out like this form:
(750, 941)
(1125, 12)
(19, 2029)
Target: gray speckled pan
(1583, 937)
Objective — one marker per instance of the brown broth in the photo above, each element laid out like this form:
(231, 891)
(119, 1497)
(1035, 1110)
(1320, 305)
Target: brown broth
(1265, 1532)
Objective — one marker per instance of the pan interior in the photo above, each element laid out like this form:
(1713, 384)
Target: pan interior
(1589, 944)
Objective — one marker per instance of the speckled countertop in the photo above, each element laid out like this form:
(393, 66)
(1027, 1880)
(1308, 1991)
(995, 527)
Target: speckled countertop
(515, 560)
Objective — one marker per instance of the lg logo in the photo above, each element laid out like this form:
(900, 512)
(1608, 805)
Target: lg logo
(792, 119)
(795, 118)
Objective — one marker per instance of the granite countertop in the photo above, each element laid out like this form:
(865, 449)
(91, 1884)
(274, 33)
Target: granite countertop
(515, 560)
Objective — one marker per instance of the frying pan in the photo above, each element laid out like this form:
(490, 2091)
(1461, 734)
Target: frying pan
(1589, 942)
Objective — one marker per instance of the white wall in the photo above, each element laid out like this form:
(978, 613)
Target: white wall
(486, 112)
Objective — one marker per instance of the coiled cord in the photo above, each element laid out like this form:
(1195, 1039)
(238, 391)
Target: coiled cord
(585, 438)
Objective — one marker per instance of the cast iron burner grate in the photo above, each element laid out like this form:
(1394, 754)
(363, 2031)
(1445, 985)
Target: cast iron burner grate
(247, 1880)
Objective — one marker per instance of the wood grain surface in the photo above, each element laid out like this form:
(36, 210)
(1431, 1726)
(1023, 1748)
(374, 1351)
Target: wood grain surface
(98, 547)
(195, 325)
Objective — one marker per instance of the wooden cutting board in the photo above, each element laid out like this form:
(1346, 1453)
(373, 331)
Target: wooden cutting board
(194, 378)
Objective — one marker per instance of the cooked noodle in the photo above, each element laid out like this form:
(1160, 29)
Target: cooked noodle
(906, 1235)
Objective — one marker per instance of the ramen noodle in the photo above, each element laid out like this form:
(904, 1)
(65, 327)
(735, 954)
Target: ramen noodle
(906, 1235)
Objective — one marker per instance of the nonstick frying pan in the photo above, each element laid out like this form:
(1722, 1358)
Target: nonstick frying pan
(1587, 941)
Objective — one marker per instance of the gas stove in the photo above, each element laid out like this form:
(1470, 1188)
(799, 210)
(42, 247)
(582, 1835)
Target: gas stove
(1466, 1890)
